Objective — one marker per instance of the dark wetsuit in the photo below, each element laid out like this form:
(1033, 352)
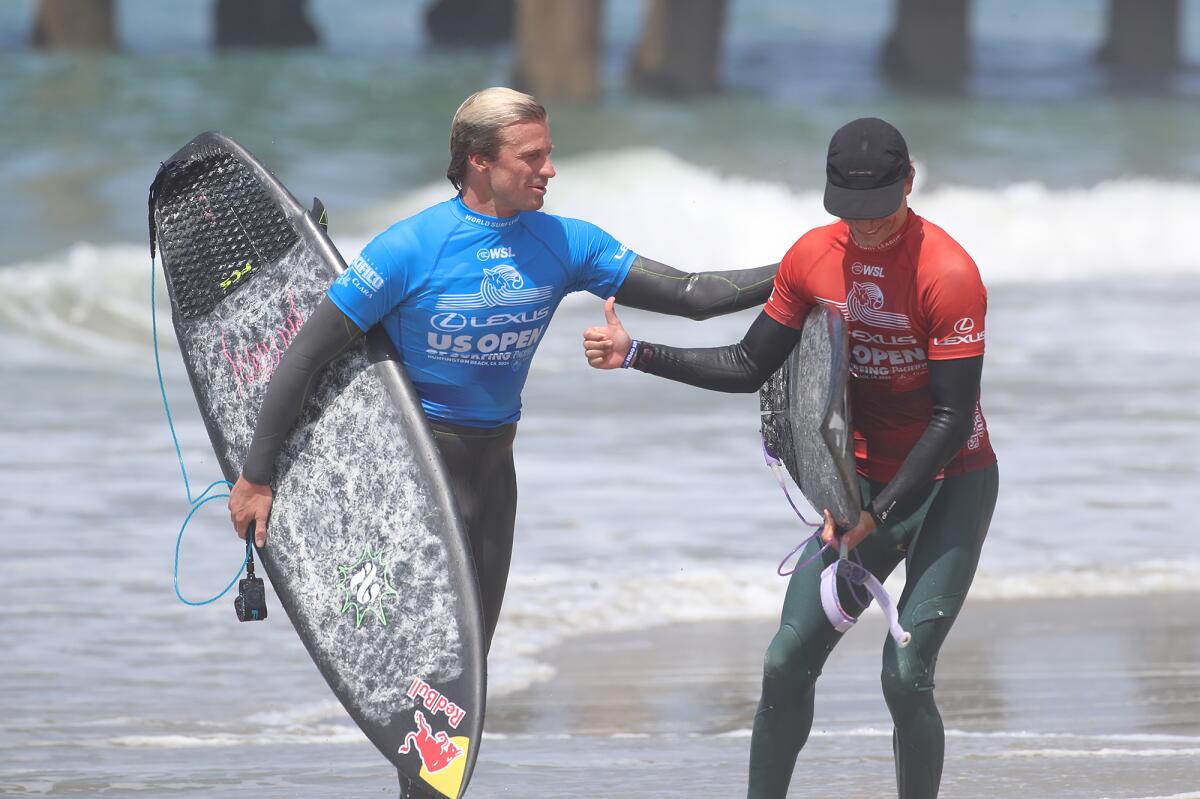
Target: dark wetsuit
(511, 274)
(915, 311)
(475, 435)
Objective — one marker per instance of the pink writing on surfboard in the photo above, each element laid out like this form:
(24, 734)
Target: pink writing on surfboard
(257, 361)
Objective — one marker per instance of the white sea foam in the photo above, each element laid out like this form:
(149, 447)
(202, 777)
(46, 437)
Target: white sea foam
(310, 736)
(544, 608)
(317, 723)
(1054, 754)
(1168, 744)
(93, 299)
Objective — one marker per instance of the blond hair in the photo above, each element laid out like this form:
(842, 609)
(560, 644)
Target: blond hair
(479, 122)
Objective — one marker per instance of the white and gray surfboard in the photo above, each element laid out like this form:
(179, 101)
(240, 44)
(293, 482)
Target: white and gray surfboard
(806, 417)
(365, 551)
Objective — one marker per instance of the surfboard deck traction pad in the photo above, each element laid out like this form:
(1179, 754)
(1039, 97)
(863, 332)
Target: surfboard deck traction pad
(806, 419)
(361, 504)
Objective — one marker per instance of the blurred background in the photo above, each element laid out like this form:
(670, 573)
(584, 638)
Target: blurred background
(1057, 140)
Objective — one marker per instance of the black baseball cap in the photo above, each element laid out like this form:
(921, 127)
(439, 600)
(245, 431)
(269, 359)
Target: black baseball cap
(865, 170)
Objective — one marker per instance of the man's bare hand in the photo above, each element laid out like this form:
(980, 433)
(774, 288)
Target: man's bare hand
(606, 347)
(250, 503)
(852, 537)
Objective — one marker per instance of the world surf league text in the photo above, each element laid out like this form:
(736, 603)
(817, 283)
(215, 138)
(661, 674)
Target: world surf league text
(435, 702)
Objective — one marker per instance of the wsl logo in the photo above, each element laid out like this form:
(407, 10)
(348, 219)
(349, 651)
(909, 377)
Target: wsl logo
(495, 253)
(864, 303)
(501, 286)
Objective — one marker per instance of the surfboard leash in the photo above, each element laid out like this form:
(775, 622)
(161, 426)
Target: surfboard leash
(777, 469)
(194, 503)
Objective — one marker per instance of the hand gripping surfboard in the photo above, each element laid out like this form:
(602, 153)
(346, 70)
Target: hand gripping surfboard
(365, 550)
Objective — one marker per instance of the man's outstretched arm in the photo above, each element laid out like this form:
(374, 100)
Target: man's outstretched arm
(737, 368)
(652, 286)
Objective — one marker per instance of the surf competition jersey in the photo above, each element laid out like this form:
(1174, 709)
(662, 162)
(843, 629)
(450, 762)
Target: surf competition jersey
(915, 298)
(466, 299)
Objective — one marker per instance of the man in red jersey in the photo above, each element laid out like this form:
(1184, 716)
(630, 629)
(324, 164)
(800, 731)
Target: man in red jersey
(914, 306)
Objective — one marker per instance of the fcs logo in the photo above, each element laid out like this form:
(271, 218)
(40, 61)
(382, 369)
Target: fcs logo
(235, 276)
(619, 254)
(501, 285)
(864, 303)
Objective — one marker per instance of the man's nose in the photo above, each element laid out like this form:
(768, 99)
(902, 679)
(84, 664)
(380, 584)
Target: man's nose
(548, 170)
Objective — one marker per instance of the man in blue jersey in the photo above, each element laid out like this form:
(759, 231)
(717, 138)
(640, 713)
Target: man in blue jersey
(465, 289)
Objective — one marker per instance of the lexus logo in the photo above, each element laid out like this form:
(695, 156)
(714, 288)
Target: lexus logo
(449, 322)
(964, 326)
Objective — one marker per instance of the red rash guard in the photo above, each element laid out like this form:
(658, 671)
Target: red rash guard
(917, 297)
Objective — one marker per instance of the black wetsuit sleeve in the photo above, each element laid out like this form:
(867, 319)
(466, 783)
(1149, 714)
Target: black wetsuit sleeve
(652, 286)
(738, 368)
(955, 387)
(323, 337)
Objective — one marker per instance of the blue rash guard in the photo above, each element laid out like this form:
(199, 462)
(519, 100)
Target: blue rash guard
(466, 298)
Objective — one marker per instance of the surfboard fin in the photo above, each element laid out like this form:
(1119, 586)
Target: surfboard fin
(319, 215)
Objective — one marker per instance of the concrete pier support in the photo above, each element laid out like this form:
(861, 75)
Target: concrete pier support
(470, 22)
(680, 49)
(263, 23)
(1143, 36)
(74, 25)
(929, 44)
(557, 49)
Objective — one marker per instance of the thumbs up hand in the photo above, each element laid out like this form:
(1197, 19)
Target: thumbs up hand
(606, 347)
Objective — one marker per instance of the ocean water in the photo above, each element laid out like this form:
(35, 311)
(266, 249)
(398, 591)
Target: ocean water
(642, 502)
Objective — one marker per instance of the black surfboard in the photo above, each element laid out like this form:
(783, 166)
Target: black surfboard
(365, 548)
(806, 417)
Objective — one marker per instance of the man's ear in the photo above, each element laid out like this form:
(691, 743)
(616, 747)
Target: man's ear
(478, 162)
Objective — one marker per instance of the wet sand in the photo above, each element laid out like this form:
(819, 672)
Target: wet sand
(1054, 698)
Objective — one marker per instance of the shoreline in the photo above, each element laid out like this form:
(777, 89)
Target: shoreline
(1078, 654)
(1091, 698)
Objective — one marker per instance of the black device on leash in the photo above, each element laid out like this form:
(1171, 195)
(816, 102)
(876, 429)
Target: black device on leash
(251, 601)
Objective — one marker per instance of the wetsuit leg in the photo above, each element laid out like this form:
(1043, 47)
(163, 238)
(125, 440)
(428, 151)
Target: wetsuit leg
(800, 648)
(483, 479)
(940, 565)
(492, 528)
(793, 662)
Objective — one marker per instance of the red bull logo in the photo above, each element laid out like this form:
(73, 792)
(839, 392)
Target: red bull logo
(435, 702)
(436, 751)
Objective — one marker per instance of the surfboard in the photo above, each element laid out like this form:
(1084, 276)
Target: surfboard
(365, 549)
(806, 419)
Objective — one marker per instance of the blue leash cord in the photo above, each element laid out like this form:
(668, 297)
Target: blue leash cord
(205, 497)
